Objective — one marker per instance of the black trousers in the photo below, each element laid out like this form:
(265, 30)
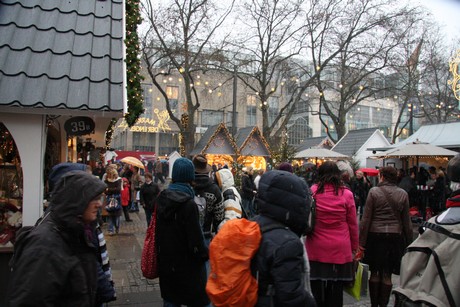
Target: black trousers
(327, 293)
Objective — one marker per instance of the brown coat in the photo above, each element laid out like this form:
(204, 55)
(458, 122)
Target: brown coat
(379, 217)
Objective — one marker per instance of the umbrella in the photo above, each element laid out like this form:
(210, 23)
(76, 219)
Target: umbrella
(369, 171)
(321, 153)
(133, 161)
(417, 150)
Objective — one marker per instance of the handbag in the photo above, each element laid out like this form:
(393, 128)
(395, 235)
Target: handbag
(113, 205)
(311, 219)
(355, 289)
(149, 260)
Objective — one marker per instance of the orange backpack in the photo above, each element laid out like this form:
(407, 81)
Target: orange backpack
(230, 281)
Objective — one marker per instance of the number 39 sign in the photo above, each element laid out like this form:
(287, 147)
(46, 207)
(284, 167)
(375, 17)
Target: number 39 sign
(79, 125)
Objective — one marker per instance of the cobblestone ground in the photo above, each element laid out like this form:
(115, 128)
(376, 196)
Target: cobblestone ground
(132, 288)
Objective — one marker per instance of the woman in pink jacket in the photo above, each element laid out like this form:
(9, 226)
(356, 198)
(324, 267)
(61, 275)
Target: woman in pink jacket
(335, 238)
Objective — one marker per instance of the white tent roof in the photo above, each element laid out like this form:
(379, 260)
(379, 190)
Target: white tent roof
(320, 153)
(445, 135)
(416, 149)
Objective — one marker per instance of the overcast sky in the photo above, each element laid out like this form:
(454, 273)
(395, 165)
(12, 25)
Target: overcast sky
(447, 13)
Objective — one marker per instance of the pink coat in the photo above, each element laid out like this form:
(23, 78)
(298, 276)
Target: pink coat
(336, 231)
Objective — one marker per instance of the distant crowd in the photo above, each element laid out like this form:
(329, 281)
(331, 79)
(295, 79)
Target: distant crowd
(308, 230)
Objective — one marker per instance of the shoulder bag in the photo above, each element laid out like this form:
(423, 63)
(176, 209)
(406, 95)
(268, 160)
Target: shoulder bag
(149, 260)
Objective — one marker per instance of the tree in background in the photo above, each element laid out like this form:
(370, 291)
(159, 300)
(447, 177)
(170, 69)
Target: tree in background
(366, 35)
(181, 37)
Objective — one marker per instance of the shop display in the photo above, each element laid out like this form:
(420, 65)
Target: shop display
(11, 191)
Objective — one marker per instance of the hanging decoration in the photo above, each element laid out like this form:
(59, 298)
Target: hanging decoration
(133, 63)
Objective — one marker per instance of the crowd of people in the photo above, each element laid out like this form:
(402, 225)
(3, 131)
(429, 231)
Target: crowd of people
(355, 220)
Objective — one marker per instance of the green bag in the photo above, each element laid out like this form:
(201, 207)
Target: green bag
(355, 289)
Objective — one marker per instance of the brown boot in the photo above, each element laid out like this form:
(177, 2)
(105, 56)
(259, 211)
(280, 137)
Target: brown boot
(385, 292)
(374, 291)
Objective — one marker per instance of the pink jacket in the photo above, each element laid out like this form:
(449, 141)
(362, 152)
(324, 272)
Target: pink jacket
(336, 231)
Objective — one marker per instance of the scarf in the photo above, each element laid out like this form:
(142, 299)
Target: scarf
(454, 201)
(182, 187)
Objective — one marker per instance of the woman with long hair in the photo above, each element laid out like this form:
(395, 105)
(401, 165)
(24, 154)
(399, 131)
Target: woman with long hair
(114, 187)
(334, 239)
(385, 230)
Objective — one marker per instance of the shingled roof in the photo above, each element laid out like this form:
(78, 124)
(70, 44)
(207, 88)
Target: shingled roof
(216, 140)
(352, 142)
(316, 142)
(250, 142)
(62, 54)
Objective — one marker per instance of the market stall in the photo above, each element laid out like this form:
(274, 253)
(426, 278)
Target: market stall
(254, 149)
(218, 146)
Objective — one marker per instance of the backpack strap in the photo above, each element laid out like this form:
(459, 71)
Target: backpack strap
(271, 226)
(440, 229)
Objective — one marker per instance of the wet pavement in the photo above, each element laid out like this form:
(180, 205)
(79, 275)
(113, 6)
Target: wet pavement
(125, 258)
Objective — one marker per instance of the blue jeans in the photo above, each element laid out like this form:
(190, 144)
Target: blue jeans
(248, 206)
(114, 222)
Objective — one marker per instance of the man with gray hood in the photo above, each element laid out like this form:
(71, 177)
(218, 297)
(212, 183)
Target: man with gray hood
(55, 262)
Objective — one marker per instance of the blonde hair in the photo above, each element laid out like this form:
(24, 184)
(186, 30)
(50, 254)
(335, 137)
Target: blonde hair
(112, 173)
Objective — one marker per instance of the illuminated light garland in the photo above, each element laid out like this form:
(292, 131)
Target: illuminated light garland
(214, 136)
(256, 130)
(453, 68)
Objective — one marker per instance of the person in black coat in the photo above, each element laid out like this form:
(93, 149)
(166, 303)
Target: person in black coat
(409, 185)
(55, 262)
(205, 187)
(280, 262)
(148, 195)
(248, 191)
(182, 252)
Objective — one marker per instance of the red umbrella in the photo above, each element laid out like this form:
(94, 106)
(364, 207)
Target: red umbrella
(369, 171)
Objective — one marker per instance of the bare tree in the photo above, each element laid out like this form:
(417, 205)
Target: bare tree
(182, 37)
(436, 100)
(271, 36)
(369, 34)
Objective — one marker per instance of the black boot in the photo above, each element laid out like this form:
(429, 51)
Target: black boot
(385, 292)
(374, 291)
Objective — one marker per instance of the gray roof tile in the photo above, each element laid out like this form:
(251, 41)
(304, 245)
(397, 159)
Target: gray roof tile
(313, 143)
(62, 54)
(351, 142)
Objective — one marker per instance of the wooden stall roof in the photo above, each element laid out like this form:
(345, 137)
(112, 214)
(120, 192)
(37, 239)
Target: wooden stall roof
(216, 140)
(251, 142)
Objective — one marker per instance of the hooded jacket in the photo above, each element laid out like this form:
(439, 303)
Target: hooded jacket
(182, 252)
(55, 262)
(279, 262)
(232, 199)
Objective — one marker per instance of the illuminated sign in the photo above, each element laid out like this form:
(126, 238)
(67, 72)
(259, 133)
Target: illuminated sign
(149, 125)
